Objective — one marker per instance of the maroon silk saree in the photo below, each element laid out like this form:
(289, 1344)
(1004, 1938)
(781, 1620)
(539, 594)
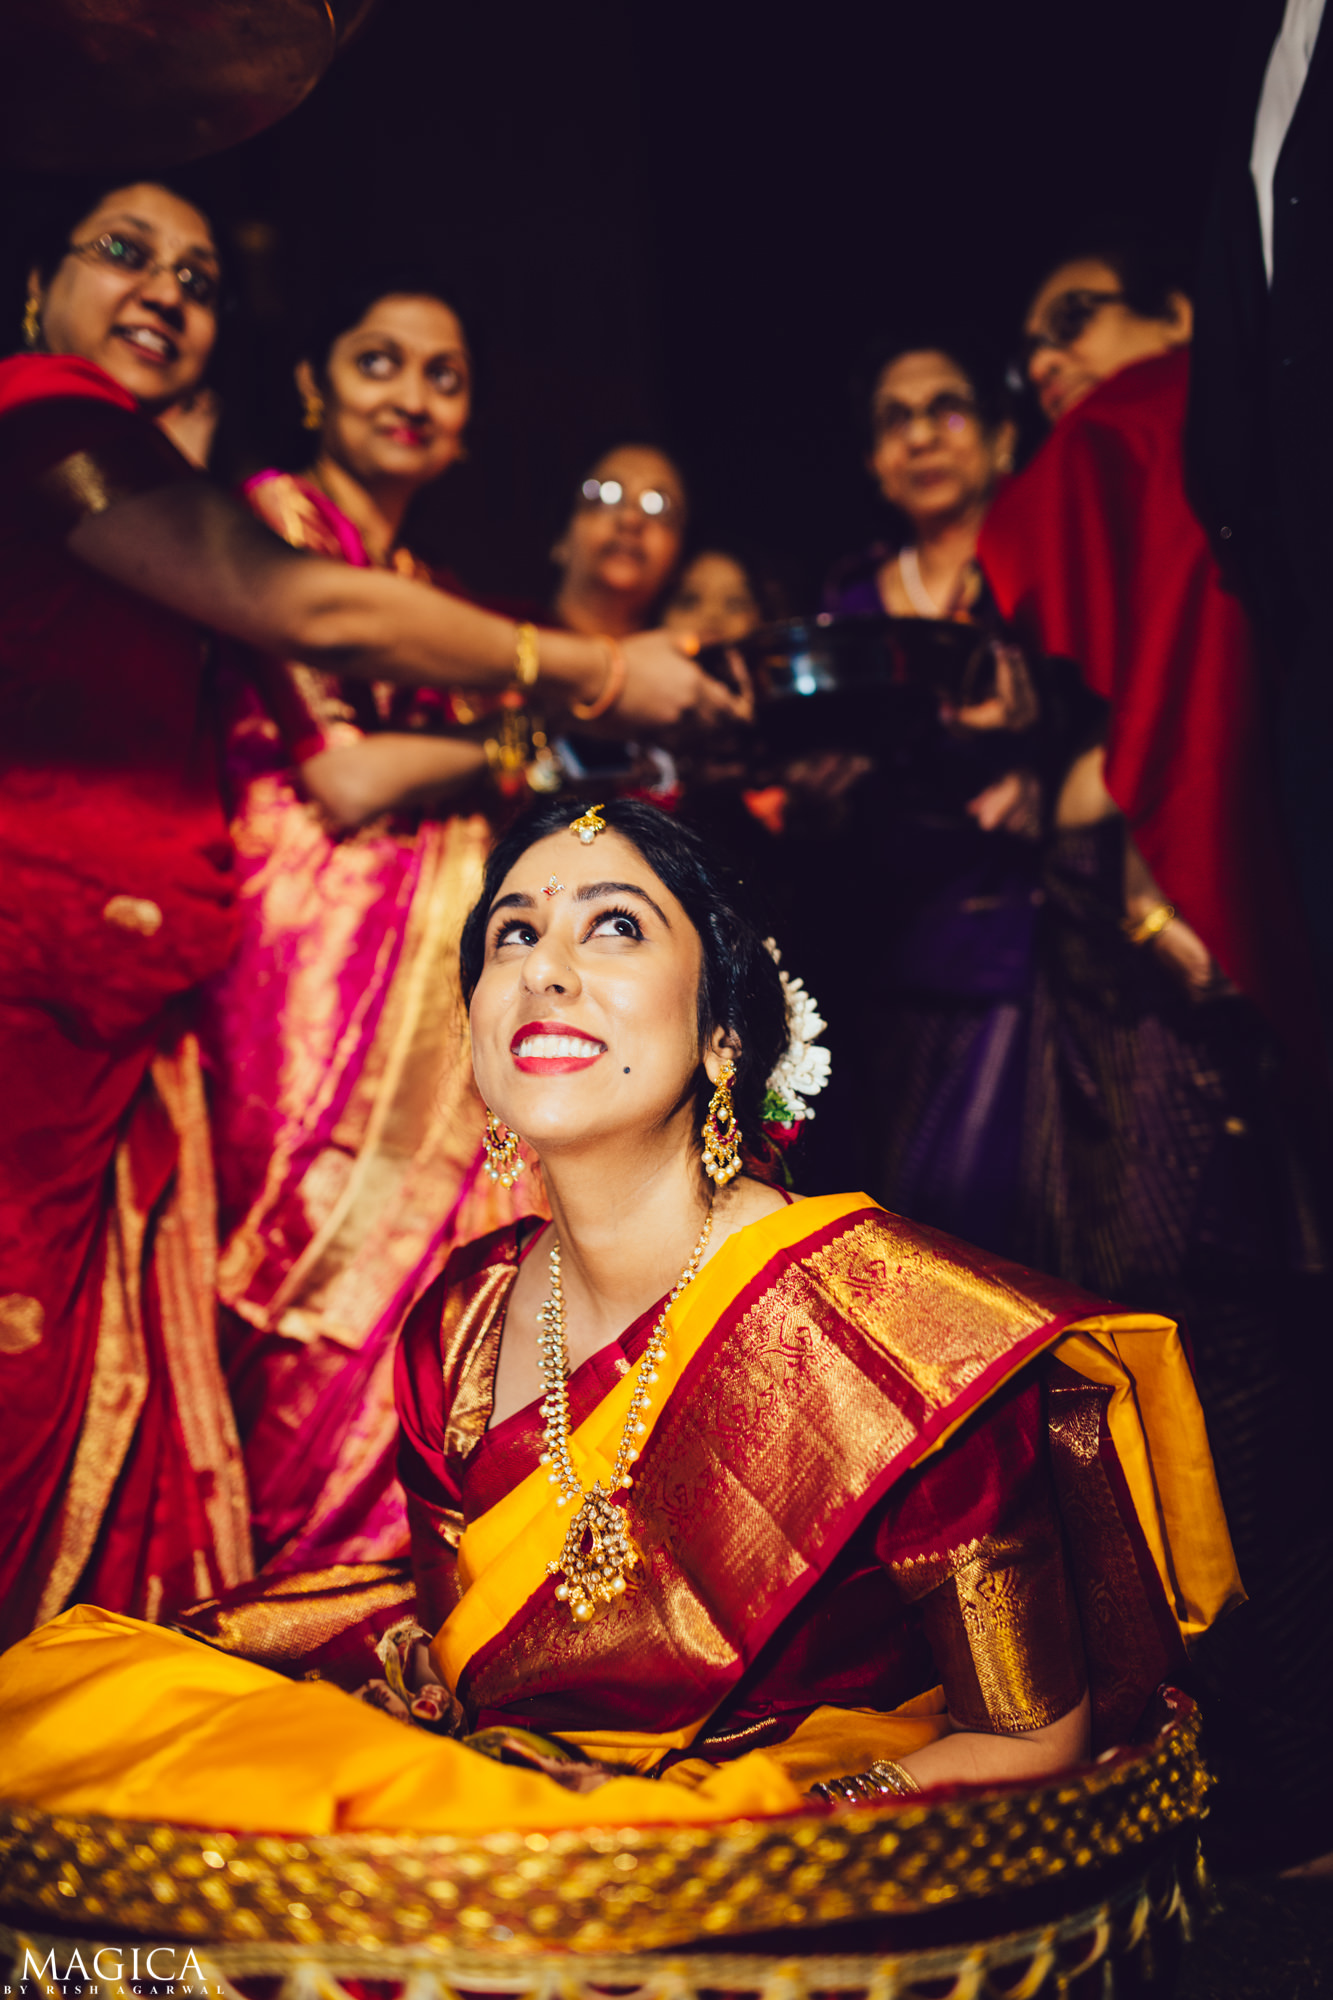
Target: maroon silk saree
(881, 1462)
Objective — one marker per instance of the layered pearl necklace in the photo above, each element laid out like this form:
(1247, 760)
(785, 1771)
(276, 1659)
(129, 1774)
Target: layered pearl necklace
(597, 1574)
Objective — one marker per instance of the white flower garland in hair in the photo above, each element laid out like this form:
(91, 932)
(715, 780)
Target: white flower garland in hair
(803, 1070)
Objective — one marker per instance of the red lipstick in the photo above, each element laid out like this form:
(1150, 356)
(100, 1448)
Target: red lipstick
(569, 1048)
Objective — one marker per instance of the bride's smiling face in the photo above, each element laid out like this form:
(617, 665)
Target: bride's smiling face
(585, 1020)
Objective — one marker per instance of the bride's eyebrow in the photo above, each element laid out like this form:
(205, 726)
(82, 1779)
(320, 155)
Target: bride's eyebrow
(515, 900)
(592, 890)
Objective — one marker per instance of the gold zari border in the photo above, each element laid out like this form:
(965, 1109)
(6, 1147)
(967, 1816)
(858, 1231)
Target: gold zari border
(622, 1889)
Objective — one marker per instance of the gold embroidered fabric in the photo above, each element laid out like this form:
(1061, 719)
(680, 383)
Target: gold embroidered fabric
(182, 1250)
(1003, 1631)
(22, 1322)
(1112, 1596)
(734, 1500)
(280, 1621)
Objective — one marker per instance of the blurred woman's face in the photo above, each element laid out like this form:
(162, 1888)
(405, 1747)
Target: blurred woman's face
(137, 293)
(1079, 331)
(585, 1017)
(933, 456)
(624, 535)
(397, 392)
(713, 600)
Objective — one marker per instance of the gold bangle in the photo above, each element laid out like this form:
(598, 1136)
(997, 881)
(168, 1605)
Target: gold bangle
(1141, 930)
(885, 1776)
(612, 686)
(526, 664)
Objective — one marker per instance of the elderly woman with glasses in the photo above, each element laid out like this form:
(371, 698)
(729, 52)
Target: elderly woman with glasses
(938, 1019)
(1162, 1155)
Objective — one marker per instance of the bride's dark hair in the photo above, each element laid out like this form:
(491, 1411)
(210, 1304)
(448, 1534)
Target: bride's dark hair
(739, 987)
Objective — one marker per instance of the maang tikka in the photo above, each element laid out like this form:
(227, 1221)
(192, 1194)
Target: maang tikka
(588, 825)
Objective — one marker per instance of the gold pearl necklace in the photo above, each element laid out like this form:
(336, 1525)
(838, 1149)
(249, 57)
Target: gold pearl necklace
(597, 1574)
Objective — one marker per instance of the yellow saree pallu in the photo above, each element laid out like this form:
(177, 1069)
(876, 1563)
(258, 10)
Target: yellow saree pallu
(821, 1355)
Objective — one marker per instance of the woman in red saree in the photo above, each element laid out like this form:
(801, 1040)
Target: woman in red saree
(1165, 1162)
(743, 1492)
(347, 1128)
(121, 1478)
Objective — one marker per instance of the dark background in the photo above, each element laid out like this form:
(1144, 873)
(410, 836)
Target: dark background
(686, 224)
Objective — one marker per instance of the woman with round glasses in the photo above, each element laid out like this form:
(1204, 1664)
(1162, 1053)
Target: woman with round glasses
(621, 544)
(616, 556)
(749, 1494)
(1165, 1155)
(121, 1477)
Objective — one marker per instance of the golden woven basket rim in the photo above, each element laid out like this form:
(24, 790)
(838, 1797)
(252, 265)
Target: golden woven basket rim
(614, 1888)
(1112, 1926)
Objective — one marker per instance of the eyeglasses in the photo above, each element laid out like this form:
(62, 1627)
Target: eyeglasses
(1066, 317)
(611, 493)
(949, 411)
(117, 252)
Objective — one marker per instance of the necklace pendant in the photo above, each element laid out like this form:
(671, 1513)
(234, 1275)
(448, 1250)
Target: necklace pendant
(599, 1573)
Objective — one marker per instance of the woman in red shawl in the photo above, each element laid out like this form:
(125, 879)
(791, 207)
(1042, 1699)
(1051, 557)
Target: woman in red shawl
(1161, 1160)
(121, 1480)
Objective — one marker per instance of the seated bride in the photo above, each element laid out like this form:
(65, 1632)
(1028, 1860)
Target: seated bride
(726, 1494)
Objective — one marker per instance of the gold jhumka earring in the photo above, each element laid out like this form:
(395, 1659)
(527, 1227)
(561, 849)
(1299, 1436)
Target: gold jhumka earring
(721, 1133)
(312, 410)
(503, 1161)
(32, 321)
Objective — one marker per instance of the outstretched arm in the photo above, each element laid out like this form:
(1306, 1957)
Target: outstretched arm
(189, 546)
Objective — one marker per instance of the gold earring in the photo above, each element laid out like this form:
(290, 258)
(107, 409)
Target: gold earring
(32, 321)
(721, 1134)
(503, 1162)
(312, 410)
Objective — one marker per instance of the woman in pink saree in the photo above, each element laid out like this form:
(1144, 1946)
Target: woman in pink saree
(348, 1130)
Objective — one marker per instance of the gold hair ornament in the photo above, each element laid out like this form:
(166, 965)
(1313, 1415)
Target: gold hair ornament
(596, 1574)
(588, 825)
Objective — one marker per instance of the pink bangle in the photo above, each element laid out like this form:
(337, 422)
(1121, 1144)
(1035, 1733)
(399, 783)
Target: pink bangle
(612, 687)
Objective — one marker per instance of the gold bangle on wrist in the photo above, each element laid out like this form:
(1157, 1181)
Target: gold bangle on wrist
(1141, 930)
(884, 1778)
(526, 664)
(612, 687)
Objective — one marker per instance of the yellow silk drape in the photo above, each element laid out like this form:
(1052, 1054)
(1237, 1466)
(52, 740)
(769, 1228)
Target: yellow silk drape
(103, 1714)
